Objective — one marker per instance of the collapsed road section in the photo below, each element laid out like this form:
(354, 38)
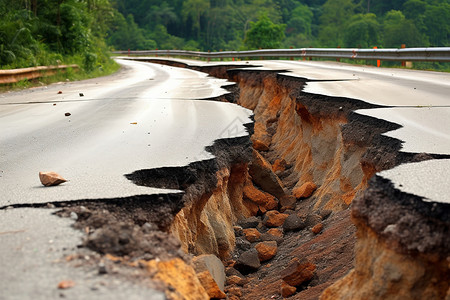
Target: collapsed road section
(314, 200)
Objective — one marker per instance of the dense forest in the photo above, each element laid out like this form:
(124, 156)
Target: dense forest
(40, 32)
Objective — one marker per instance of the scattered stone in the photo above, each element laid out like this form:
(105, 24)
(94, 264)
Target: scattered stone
(275, 232)
(102, 268)
(73, 215)
(287, 202)
(59, 92)
(266, 250)
(264, 177)
(179, 275)
(66, 284)
(312, 220)
(81, 94)
(149, 227)
(293, 222)
(268, 237)
(287, 290)
(260, 145)
(234, 279)
(54, 104)
(251, 222)
(248, 262)
(67, 114)
(238, 231)
(279, 165)
(317, 228)
(263, 199)
(274, 218)
(298, 272)
(304, 191)
(210, 285)
(252, 235)
(235, 291)
(51, 178)
(325, 213)
(243, 244)
(231, 271)
(212, 264)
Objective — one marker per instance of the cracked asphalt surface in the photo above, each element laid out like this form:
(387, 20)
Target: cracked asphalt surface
(145, 116)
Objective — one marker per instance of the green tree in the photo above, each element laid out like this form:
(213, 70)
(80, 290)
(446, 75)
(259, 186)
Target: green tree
(264, 34)
(436, 20)
(398, 30)
(300, 20)
(362, 31)
(194, 9)
(334, 19)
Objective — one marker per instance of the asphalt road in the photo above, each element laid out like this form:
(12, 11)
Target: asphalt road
(143, 117)
(146, 116)
(419, 101)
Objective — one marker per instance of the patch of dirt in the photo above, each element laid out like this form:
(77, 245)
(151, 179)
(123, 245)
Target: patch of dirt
(134, 228)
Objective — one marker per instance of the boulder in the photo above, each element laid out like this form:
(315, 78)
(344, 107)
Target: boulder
(213, 265)
(264, 177)
(234, 291)
(248, 262)
(287, 290)
(251, 222)
(274, 218)
(263, 199)
(178, 277)
(298, 272)
(288, 202)
(317, 228)
(312, 220)
(279, 166)
(231, 271)
(325, 213)
(260, 145)
(51, 178)
(275, 232)
(236, 280)
(304, 191)
(268, 237)
(293, 222)
(252, 235)
(243, 244)
(266, 250)
(210, 285)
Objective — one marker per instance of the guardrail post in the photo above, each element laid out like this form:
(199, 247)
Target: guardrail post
(209, 58)
(338, 59)
(221, 59)
(403, 62)
(292, 58)
(156, 53)
(378, 61)
(128, 51)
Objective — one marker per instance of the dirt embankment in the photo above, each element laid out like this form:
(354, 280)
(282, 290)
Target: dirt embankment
(276, 207)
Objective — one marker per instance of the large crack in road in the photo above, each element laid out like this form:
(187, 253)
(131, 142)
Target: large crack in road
(298, 137)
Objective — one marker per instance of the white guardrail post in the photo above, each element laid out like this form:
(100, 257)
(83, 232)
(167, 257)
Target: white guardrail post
(439, 54)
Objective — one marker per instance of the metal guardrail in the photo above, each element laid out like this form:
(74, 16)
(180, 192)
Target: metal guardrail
(440, 54)
(16, 75)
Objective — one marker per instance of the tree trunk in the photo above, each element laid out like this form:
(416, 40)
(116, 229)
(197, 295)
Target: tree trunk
(34, 7)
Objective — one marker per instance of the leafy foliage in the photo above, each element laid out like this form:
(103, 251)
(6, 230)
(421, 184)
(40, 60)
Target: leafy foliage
(38, 32)
(264, 34)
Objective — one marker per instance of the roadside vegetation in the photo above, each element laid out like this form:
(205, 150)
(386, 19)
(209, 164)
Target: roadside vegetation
(49, 32)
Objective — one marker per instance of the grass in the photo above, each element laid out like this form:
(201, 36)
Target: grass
(103, 68)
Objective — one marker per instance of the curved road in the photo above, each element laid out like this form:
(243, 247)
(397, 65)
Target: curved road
(146, 116)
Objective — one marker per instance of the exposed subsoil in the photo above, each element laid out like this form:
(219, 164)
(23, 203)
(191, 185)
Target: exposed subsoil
(135, 229)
